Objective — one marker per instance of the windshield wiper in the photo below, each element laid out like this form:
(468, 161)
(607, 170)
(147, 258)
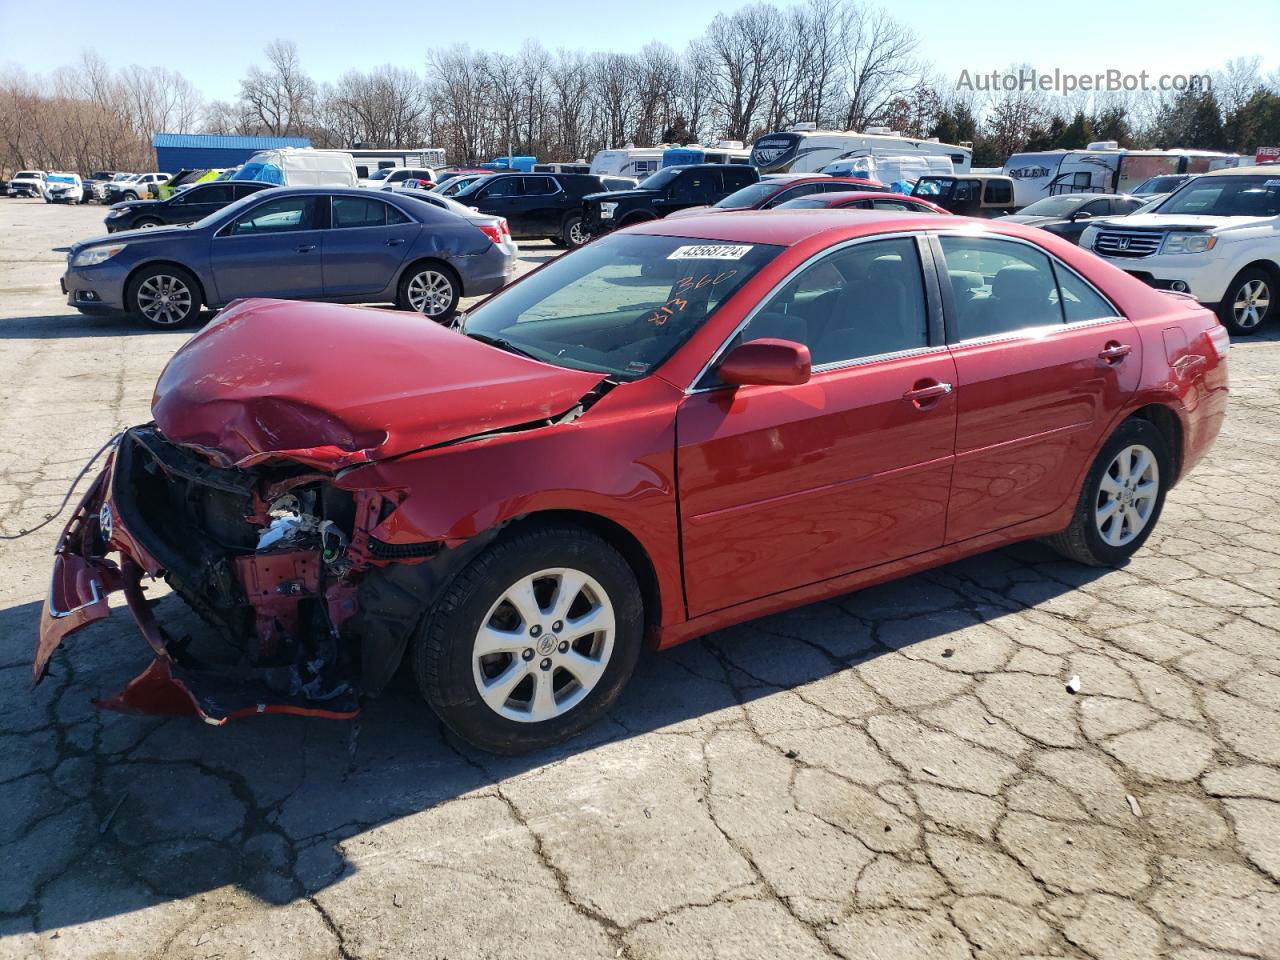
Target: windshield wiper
(502, 344)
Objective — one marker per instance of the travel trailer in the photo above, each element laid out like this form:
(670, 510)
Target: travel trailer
(722, 151)
(1103, 167)
(900, 172)
(370, 161)
(630, 161)
(805, 149)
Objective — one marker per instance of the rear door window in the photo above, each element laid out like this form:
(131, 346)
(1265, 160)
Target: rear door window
(1000, 287)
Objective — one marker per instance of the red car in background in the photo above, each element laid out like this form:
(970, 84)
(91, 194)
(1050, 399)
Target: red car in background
(773, 190)
(863, 201)
(678, 427)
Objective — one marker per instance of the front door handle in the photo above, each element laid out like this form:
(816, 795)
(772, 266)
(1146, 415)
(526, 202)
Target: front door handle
(306, 247)
(1114, 352)
(925, 391)
(395, 242)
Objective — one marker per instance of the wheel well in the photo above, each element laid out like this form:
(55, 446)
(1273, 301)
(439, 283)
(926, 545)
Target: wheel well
(204, 298)
(1266, 266)
(1170, 427)
(622, 540)
(421, 261)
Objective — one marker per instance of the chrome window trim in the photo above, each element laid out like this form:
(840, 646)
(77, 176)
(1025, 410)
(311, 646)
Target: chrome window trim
(875, 358)
(1035, 333)
(718, 353)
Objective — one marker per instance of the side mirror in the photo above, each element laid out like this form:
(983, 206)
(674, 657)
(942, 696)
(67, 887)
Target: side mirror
(1081, 215)
(767, 362)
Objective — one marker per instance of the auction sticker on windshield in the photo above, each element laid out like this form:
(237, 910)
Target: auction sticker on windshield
(711, 251)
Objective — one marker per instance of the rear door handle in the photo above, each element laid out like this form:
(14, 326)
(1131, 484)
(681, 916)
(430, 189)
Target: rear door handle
(306, 247)
(1114, 352)
(925, 391)
(394, 242)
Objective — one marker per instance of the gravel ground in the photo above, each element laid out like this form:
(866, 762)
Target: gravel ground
(899, 773)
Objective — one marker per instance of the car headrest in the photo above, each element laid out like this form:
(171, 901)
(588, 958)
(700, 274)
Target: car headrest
(1021, 283)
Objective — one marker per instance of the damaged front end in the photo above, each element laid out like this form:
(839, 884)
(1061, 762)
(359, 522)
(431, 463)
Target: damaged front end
(310, 608)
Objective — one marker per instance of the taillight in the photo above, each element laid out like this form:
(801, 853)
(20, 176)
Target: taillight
(1221, 340)
(494, 233)
(504, 226)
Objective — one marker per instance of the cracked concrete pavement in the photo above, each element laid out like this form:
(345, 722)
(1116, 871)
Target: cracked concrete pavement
(899, 773)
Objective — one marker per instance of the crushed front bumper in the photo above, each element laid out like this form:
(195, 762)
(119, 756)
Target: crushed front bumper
(85, 575)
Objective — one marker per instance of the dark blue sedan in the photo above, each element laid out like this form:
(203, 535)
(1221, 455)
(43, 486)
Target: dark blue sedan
(298, 243)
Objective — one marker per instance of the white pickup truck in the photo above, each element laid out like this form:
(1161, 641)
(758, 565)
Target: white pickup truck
(1217, 238)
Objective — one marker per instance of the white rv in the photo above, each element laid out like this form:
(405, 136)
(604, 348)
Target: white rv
(890, 170)
(1103, 167)
(805, 149)
(369, 162)
(630, 161)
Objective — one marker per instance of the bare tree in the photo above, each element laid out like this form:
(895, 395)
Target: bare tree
(280, 96)
(879, 62)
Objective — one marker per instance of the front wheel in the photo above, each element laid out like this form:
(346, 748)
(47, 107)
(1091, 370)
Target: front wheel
(146, 223)
(432, 289)
(1122, 497)
(163, 296)
(533, 641)
(1248, 302)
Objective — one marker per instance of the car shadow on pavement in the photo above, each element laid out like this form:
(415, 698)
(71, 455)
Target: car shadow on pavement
(70, 325)
(106, 813)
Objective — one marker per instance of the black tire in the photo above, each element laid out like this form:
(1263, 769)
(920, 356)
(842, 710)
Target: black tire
(145, 223)
(557, 242)
(1253, 284)
(149, 282)
(417, 283)
(443, 646)
(129, 196)
(1083, 540)
(573, 235)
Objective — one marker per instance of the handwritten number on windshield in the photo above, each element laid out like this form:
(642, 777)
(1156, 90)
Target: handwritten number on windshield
(677, 303)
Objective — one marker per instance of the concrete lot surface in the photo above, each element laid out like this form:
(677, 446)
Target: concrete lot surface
(897, 774)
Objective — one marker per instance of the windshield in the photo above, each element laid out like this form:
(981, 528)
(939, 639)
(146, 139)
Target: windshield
(29, 174)
(940, 187)
(748, 197)
(1158, 185)
(1226, 197)
(1055, 206)
(815, 202)
(381, 173)
(471, 188)
(621, 305)
(231, 210)
(660, 179)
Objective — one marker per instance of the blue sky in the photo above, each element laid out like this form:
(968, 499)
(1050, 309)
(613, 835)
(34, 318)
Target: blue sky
(214, 45)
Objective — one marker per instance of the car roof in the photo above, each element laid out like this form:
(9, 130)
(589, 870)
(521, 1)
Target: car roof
(1262, 170)
(784, 227)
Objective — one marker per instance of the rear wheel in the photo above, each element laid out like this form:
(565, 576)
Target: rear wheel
(1248, 302)
(574, 234)
(164, 296)
(1122, 497)
(533, 641)
(431, 289)
(146, 223)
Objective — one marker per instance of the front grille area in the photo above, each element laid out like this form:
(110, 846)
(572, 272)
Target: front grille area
(1127, 243)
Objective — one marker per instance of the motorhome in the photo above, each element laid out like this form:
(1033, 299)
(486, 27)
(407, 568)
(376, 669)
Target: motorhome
(630, 161)
(370, 161)
(805, 149)
(899, 172)
(721, 151)
(1103, 167)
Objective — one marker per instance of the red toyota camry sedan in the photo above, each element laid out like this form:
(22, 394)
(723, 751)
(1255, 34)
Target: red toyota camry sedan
(679, 427)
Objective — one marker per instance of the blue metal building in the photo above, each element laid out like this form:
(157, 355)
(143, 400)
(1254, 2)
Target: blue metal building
(203, 151)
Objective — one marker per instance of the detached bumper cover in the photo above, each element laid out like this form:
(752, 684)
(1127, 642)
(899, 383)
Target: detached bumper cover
(82, 580)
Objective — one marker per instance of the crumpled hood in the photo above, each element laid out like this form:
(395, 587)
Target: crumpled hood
(330, 386)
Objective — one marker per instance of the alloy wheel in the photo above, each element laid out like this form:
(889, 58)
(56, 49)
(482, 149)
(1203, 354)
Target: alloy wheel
(577, 235)
(544, 645)
(1251, 304)
(430, 292)
(164, 300)
(1127, 495)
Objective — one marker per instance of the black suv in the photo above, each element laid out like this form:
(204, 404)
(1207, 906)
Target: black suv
(194, 203)
(538, 205)
(671, 188)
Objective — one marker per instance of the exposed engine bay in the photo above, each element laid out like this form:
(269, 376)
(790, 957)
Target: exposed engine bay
(279, 561)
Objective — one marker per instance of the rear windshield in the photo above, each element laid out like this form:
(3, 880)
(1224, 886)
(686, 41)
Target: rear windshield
(59, 178)
(749, 196)
(29, 174)
(621, 305)
(1226, 197)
